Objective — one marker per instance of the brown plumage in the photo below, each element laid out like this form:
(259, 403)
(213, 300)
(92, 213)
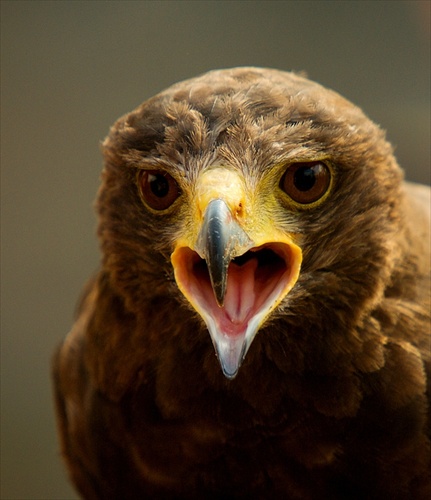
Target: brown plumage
(262, 208)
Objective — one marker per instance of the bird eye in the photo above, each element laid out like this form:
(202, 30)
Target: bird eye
(158, 189)
(306, 182)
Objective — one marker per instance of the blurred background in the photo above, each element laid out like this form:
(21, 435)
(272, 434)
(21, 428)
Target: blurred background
(69, 69)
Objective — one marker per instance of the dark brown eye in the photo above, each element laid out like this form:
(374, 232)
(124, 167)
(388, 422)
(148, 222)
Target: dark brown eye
(306, 182)
(158, 189)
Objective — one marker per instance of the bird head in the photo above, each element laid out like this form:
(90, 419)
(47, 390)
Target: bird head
(249, 194)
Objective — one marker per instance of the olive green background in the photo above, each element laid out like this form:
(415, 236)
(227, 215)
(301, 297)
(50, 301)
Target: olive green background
(69, 69)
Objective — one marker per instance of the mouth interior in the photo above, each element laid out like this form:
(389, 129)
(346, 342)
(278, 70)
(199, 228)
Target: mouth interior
(256, 280)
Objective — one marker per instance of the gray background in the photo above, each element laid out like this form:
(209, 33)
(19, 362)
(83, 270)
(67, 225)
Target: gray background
(69, 69)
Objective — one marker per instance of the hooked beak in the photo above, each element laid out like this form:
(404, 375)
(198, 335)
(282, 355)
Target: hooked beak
(234, 280)
(220, 240)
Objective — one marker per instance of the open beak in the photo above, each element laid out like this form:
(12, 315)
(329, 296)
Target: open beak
(233, 279)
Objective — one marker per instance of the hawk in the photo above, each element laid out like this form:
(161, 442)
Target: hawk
(259, 325)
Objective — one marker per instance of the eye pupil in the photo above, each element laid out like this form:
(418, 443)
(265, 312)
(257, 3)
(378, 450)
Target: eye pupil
(159, 185)
(157, 188)
(304, 178)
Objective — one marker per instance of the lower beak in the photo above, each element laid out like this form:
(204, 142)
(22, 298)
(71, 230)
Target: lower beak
(234, 282)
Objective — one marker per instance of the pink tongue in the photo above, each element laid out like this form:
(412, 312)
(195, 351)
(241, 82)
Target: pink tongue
(240, 296)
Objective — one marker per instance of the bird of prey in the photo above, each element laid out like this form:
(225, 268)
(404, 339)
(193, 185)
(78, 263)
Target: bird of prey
(259, 326)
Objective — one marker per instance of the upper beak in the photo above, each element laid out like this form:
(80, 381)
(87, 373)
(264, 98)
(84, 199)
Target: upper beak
(232, 277)
(220, 240)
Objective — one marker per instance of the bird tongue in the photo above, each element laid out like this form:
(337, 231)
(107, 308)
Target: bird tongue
(229, 334)
(240, 295)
